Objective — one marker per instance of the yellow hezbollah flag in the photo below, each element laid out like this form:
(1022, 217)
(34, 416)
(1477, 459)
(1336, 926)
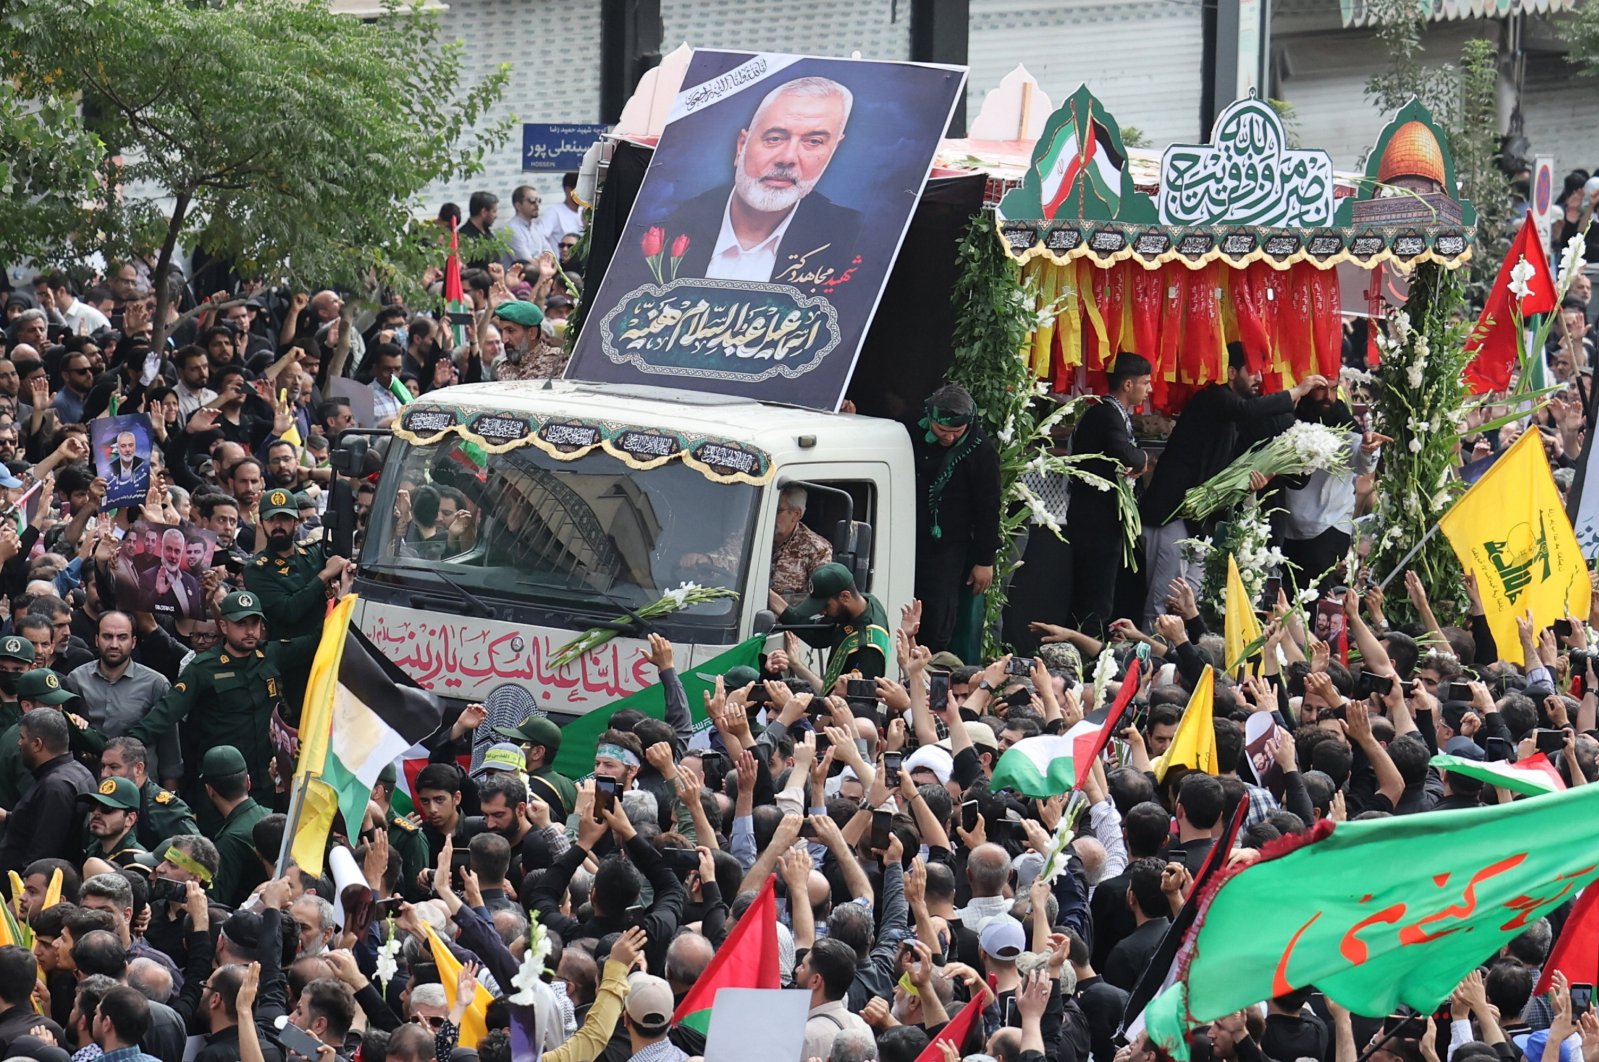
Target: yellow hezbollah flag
(474, 1024)
(1194, 744)
(1242, 628)
(320, 802)
(1511, 531)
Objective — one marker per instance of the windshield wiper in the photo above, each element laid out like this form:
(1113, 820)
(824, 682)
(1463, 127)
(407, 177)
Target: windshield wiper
(633, 625)
(479, 606)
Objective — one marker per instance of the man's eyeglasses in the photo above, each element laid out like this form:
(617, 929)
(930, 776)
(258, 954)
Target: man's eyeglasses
(77, 368)
(432, 1021)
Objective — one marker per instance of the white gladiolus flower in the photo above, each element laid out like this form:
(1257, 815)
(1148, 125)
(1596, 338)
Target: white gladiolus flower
(1414, 446)
(388, 959)
(1571, 258)
(1307, 595)
(1520, 273)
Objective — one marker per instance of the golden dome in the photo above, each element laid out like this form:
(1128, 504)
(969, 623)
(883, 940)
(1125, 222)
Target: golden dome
(1412, 151)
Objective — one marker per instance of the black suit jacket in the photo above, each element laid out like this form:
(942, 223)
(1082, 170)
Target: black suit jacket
(821, 236)
(1128, 959)
(1204, 442)
(1101, 431)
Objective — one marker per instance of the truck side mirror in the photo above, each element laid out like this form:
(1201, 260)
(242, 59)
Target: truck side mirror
(339, 519)
(852, 547)
(349, 457)
(764, 621)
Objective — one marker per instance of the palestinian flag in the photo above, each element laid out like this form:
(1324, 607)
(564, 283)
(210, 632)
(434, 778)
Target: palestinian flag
(361, 714)
(454, 291)
(1082, 151)
(746, 959)
(410, 764)
(1533, 776)
(1051, 764)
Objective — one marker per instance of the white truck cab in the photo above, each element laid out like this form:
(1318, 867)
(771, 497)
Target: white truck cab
(541, 509)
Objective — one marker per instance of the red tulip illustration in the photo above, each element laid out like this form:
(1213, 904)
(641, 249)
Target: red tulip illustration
(653, 244)
(679, 249)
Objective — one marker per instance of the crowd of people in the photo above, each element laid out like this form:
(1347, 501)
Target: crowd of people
(143, 789)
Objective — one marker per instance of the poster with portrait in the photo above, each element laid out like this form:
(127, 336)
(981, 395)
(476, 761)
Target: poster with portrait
(159, 567)
(765, 228)
(122, 458)
(1262, 736)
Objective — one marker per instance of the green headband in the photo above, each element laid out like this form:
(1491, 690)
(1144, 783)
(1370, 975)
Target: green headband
(945, 419)
(185, 861)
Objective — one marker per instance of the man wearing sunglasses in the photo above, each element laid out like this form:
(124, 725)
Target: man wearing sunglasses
(957, 511)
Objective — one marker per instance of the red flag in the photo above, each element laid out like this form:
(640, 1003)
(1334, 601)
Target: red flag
(453, 292)
(955, 1033)
(1576, 953)
(746, 959)
(1124, 697)
(1494, 339)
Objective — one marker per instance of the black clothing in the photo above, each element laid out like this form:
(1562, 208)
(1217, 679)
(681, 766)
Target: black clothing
(46, 823)
(1104, 1005)
(1128, 959)
(966, 514)
(1093, 525)
(1204, 442)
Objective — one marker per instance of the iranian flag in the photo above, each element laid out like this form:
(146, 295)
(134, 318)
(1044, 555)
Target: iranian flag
(1533, 776)
(1083, 150)
(1383, 912)
(1051, 764)
(361, 714)
(746, 959)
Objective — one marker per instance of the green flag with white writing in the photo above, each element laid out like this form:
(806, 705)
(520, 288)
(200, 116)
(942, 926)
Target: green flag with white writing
(576, 758)
(1390, 911)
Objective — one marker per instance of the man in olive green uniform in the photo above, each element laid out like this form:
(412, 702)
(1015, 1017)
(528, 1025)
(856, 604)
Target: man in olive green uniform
(227, 785)
(237, 685)
(113, 815)
(161, 813)
(16, 656)
(39, 688)
(405, 835)
(540, 739)
(855, 624)
(291, 582)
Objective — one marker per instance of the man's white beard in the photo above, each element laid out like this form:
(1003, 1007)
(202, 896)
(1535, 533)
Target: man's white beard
(769, 200)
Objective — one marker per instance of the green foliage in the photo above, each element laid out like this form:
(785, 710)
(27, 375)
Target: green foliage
(47, 172)
(1474, 141)
(1581, 33)
(1464, 101)
(274, 132)
(998, 313)
(1401, 25)
(1418, 402)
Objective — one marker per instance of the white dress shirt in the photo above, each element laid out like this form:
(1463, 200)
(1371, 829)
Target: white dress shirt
(527, 239)
(731, 260)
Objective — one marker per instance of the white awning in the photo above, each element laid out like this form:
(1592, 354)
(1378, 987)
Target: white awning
(1359, 13)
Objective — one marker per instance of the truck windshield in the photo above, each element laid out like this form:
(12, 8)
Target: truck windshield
(591, 533)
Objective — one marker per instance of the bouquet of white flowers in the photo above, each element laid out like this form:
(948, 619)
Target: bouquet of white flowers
(1304, 447)
(685, 596)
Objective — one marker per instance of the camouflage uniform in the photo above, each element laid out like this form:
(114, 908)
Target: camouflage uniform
(546, 361)
(793, 560)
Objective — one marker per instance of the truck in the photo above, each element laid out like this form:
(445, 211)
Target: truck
(564, 506)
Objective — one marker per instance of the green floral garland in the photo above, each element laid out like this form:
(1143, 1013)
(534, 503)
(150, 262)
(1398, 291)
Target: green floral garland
(998, 313)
